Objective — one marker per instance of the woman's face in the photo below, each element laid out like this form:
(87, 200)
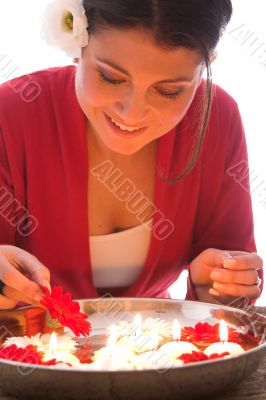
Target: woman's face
(123, 76)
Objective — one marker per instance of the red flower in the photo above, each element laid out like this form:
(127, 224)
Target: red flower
(196, 356)
(84, 354)
(29, 355)
(204, 334)
(250, 337)
(61, 307)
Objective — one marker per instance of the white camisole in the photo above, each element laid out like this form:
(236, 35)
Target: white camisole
(118, 258)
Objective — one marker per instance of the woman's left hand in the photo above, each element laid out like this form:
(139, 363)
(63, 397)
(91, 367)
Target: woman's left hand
(227, 273)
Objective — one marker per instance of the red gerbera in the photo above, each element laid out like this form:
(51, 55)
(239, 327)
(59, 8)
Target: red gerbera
(196, 356)
(62, 308)
(204, 334)
(29, 355)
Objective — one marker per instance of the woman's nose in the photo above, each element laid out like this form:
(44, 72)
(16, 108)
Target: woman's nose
(133, 110)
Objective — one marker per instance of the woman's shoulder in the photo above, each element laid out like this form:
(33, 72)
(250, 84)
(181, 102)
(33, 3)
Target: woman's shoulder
(35, 87)
(223, 100)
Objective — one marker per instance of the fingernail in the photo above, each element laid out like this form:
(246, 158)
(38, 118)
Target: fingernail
(46, 284)
(229, 263)
(218, 286)
(214, 292)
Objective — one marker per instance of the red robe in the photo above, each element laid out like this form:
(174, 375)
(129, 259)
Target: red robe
(44, 173)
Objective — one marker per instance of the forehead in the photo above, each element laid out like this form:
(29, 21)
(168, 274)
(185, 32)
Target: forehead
(136, 51)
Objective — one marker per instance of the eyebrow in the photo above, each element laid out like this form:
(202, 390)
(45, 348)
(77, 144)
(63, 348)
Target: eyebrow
(118, 68)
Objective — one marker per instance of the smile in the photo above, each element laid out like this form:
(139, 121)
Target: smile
(125, 128)
(129, 132)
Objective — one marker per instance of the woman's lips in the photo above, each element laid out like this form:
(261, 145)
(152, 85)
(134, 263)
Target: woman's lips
(122, 133)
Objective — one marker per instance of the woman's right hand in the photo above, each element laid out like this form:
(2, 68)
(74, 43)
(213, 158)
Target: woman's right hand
(22, 273)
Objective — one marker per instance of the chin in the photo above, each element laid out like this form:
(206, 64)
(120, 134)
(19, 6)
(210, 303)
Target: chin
(125, 150)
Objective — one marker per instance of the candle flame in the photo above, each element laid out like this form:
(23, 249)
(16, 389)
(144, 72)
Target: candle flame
(138, 325)
(223, 331)
(112, 337)
(155, 339)
(176, 330)
(53, 343)
(138, 321)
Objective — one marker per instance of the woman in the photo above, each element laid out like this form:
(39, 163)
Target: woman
(119, 173)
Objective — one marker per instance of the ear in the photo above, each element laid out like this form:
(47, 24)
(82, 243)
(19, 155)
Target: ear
(213, 56)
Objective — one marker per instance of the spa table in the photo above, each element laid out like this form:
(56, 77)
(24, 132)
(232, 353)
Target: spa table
(253, 388)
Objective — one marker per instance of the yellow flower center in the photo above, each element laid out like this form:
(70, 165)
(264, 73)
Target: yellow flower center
(69, 21)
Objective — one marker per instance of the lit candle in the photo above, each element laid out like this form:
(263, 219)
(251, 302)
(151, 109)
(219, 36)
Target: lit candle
(177, 347)
(137, 325)
(111, 357)
(62, 356)
(42, 342)
(139, 344)
(224, 346)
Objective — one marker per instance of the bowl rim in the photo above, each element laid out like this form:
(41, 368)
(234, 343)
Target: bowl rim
(220, 361)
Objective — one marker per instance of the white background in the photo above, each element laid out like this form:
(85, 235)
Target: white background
(240, 69)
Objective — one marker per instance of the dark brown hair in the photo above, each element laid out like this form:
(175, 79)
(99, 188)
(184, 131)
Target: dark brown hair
(193, 24)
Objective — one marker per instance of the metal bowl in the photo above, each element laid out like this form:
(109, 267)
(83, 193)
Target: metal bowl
(191, 381)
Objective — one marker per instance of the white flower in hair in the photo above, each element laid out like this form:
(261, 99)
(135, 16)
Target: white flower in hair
(65, 26)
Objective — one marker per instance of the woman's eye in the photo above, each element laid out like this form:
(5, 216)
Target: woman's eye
(105, 78)
(172, 96)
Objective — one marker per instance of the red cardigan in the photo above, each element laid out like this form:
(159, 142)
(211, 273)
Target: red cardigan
(44, 170)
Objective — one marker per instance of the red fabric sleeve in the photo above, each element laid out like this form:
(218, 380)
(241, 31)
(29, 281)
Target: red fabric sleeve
(224, 217)
(7, 203)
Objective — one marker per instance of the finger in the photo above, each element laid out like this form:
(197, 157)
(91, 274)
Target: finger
(243, 262)
(6, 303)
(13, 278)
(35, 269)
(249, 277)
(252, 292)
(214, 292)
(238, 252)
(215, 257)
(16, 296)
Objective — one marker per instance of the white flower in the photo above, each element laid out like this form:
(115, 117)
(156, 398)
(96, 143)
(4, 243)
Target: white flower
(65, 26)
(160, 326)
(20, 342)
(64, 342)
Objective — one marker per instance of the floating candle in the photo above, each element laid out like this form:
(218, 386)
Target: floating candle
(137, 325)
(177, 347)
(224, 346)
(154, 360)
(62, 356)
(137, 340)
(42, 342)
(139, 344)
(111, 357)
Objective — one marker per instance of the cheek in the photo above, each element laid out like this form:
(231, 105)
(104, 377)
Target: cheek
(178, 110)
(174, 111)
(90, 90)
